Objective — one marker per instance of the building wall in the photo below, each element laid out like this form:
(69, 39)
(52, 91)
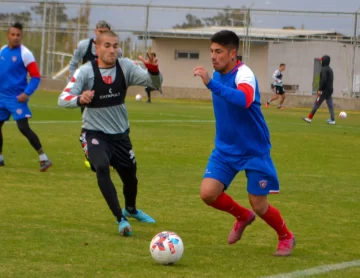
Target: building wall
(299, 59)
(178, 73)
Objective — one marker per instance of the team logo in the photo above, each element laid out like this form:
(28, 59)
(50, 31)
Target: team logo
(263, 183)
(94, 142)
(18, 111)
(14, 58)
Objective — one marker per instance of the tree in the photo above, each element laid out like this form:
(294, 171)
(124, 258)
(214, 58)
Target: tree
(191, 22)
(289, 28)
(225, 17)
(61, 16)
(22, 17)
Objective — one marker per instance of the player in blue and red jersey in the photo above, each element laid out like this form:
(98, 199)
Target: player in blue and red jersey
(16, 61)
(242, 143)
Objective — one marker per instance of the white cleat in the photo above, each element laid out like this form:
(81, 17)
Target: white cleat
(307, 120)
(331, 122)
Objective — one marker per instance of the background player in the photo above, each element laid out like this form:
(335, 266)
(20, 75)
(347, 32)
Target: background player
(101, 87)
(16, 61)
(278, 86)
(325, 91)
(242, 143)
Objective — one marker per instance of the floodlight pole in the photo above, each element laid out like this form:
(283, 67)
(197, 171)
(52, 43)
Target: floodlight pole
(352, 93)
(43, 40)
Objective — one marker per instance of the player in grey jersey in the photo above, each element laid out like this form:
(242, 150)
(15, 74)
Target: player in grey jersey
(101, 87)
(85, 52)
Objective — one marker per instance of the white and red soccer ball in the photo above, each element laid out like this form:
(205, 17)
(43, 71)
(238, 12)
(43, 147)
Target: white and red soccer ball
(342, 115)
(166, 248)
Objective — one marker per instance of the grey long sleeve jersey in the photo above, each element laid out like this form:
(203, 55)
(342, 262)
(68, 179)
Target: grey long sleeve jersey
(113, 119)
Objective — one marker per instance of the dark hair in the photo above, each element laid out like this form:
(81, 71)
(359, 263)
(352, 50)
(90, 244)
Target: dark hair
(226, 38)
(17, 25)
(282, 64)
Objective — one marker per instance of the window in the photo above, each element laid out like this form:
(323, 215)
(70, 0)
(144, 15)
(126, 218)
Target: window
(187, 55)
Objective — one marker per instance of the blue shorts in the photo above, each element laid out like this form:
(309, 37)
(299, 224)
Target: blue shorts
(18, 110)
(260, 172)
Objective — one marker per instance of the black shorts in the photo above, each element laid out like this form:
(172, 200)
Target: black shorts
(279, 90)
(112, 149)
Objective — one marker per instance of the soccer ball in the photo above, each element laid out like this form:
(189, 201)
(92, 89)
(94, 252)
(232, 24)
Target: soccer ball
(138, 97)
(342, 115)
(166, 248)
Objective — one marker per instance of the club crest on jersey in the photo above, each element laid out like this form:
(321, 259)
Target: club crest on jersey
(263, 183)
(94, 142)
(18, 111)
(14, 58)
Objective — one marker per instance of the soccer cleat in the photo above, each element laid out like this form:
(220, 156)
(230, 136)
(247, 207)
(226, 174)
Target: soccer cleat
(124, 228)
(331, 122)
(285, 247)
(87, 163)
(281, 108)
(307, 120)
(2, 163)
(44, 165)
(239, 228)
(139, 215)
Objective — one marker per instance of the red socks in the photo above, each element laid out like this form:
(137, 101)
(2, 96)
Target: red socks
(273, 218)
(225, 203)
(310, 116)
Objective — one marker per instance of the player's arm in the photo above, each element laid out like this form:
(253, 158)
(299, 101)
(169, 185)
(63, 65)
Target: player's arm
(137, 76)
(323, 80)
(243, 95)
(70, 96)
(32, 69)
(75, 59)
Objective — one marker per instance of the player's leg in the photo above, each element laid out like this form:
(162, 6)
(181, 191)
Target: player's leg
(84, 144)
(217, 178)
(263, 180)
(148, 93)
(282, 96)
(319, 100)
(274, 97)
(99, 155)
(2, 163)
(21, 114)
(124, 162)
(330, 104)
(4, 116)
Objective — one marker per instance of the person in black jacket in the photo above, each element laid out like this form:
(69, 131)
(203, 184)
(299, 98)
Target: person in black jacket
(325, 91)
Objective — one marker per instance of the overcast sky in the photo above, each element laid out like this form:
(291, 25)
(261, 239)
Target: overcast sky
(134, 18)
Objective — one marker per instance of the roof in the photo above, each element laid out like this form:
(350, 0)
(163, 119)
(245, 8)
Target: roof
(255, 34)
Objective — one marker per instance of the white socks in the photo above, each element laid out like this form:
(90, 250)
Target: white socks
(43, 157)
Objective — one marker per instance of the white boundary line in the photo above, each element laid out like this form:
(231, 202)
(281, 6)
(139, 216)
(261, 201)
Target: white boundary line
(188, 121)
(316, 270)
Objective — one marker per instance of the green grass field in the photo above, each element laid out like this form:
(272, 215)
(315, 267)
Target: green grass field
(57, 224)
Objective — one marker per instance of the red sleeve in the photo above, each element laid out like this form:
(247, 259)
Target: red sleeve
(33, 70)
(249, 93)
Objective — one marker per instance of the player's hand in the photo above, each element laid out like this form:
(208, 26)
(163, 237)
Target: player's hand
(319, 93)
(149, 60)
(22, 97)
(203, 73)
(86, 97)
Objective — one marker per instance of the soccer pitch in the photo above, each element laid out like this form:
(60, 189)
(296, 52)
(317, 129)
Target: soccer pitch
(57, 224)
